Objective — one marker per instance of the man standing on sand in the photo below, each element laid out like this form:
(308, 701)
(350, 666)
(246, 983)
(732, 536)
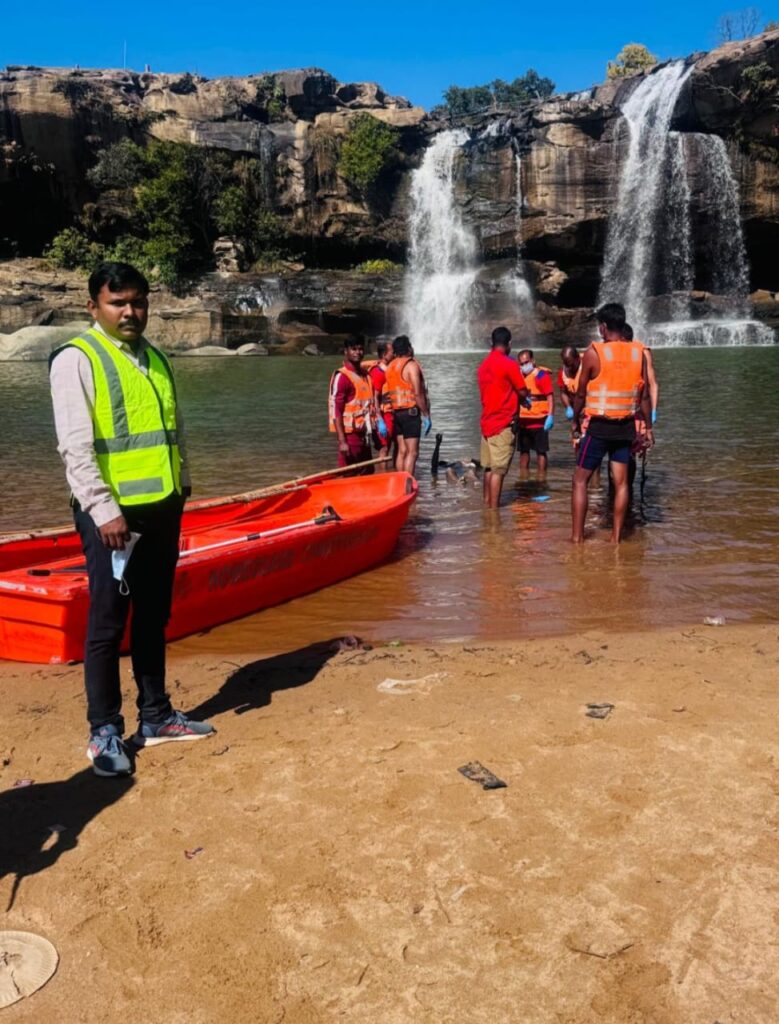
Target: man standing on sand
(353, 408)
(612, 387)
(535, 422)
(407, 396)
(119, 433)
(502, 388)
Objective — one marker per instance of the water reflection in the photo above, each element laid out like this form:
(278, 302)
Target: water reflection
(707, 541)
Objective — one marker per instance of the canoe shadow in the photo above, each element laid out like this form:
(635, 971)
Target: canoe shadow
(39, 823)
(253, 685)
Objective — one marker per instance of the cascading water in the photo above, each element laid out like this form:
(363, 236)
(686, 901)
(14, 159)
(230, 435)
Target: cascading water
(439, 293)
(649, 249)
(519, 283)
(634, 245)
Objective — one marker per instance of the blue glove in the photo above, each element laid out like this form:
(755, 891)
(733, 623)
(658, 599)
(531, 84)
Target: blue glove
(549, 422)
(569, 412)
(654, 416)
(381, 426)
(427, 425)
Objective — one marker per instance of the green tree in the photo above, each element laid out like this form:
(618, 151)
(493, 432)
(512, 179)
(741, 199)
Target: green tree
(72, 250)
(632, 59)
(527, 88)
(369, 149)
(122, 165)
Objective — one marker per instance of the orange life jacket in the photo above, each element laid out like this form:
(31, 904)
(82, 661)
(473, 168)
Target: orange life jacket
(397, 391)
(358, 410)
(571, 384)
(615, 393)
(540, 407)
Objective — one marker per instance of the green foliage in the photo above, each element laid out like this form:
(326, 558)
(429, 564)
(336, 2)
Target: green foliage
(632, 59)
(379, 267)
(122, 165)
(72, 250)
(271, 96)
(527, 88)
(758, 81)
(369, 149)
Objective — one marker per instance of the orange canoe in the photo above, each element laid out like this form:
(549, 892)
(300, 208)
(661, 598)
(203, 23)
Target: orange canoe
(237, 557)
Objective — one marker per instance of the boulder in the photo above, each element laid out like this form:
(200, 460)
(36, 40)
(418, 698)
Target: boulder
(311, 350)
(37, 343)
(207, 350)
(252, 349)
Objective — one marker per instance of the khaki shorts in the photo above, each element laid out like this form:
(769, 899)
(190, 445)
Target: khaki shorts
(497, 451)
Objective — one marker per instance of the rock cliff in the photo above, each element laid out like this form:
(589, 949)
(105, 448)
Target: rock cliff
(53, 122)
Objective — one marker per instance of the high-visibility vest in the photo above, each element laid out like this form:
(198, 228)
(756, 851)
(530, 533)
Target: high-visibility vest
(571, 384)
(615, 393)
(397, 391)
(134, 420)
(540, 403)
(358, 410)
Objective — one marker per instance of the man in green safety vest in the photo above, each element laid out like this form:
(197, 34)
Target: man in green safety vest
(119, 433)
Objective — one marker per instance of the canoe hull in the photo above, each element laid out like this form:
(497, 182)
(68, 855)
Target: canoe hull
(44, 619)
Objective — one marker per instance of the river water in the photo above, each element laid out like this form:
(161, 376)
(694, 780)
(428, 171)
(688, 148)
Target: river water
(707, 544)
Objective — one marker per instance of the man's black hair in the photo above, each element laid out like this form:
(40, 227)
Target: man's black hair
(627, 332)
(381, 348)
(501, 337)
(612, 316)
(568, 348)
(401, 346)
(354, 339)
(528, 351)
(117, 276)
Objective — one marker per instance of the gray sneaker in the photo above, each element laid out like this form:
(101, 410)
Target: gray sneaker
(107, 752)
(175, 727)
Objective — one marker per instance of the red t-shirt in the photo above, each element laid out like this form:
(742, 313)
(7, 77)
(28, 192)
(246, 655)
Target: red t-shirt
(500, 381)
(378, 376)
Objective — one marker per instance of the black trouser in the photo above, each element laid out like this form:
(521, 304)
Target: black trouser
(149, 577)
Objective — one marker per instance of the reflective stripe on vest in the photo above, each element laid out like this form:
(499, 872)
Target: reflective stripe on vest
(357, 411)
(134, 420)
(615, 392)
(397, 391)
(535, 396)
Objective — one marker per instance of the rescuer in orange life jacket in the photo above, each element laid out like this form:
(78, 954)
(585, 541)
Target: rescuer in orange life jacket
(536, 418)
(406, 394)
(353, 409)
(612, 388)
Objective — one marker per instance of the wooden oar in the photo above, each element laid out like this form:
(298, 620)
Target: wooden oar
(266, 492)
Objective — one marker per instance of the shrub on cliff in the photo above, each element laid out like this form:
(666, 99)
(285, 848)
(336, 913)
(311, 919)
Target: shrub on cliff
(72, 250)
(527, 88)
(369, 149)
(379, 267)
(631, 60)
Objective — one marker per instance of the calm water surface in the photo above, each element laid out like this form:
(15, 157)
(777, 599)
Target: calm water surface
(708, 542)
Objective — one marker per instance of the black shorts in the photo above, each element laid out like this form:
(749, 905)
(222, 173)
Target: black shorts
(408, 423)
(592, 450)
(533, 440)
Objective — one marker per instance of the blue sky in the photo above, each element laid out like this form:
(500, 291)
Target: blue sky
(415, 49)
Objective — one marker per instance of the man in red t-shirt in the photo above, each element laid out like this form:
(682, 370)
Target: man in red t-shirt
(378, 374)
(502, 387)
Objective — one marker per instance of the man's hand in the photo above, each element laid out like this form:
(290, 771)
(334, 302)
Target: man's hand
(650, 438)
(115, 533)
(343, 447)
(427, 425)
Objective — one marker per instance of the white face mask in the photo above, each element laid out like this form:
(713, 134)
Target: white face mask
(119, 560)
(527, 368)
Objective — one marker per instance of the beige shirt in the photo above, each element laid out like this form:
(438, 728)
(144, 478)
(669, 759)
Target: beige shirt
(73, 397)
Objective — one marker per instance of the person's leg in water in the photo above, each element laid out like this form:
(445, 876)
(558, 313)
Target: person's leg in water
(400, 454)
(581, 478)
(412, 454)
(619, 474)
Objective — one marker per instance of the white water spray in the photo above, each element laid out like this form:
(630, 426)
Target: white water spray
(522, 293)
(439, 292)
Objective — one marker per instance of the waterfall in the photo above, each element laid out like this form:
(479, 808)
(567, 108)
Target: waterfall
(521, 288)
(650, 248)
(439, 294)
(634, 246)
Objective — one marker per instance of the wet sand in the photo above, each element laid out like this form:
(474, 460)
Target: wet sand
(347, 872)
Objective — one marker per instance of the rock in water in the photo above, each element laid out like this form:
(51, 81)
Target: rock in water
(37, 343)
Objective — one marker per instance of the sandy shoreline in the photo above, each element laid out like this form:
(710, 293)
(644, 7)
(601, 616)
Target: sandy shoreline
(347, 871)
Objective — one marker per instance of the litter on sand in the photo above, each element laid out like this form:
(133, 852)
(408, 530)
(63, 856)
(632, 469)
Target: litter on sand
(476, 772)
(541, 497)
(714, 620)
(400, 686)
(21, 783)
(599, 710)
(189, 854)
(27, 962)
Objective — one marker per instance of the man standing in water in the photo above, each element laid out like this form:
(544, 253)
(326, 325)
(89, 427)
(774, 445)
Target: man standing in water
(612, 386)
(353, 409)
(502, 388)
(535, 422)
(378, 375)
(407, 395)
(119, 433)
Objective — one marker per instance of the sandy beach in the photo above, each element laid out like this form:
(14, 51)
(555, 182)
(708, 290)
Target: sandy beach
(322, 859)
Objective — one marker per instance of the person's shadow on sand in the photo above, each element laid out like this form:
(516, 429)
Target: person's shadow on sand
(252, 685)
(39, 823)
